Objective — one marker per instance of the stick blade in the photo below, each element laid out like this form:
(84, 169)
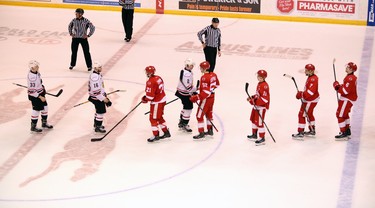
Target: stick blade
(97, 139)
(59, 93)
(334, 60)
(288, 76)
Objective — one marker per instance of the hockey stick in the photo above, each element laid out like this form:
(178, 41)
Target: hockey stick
(101, 138)
(295, 83)
(334, 74)
(57, 95)
(256, 109)
(89, 101)
(205, 115)
(165, 104)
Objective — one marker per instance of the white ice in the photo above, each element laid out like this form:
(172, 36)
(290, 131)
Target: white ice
(227, 170)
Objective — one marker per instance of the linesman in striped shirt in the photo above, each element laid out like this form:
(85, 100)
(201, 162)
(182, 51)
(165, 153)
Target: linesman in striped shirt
(127, 14)
(212, 42)
(78, 31)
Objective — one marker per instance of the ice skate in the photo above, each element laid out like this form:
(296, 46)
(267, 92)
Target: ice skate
(298, 136)
(201, 135)
(100, 129)
(209, 132)
(45, 125)
(260, 141)
(252, 137)
(342, 136)
(187, 128)
(153, 139)
(35, 129)
(166, 134)
(310, 133)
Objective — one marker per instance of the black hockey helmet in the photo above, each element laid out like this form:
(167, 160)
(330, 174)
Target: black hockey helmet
(79, 10)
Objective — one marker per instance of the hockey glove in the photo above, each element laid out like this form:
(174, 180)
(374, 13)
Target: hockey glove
(336, 85)
(109, 103)
(299, 95)
(144, 99)
(251, 101)
(194, 98)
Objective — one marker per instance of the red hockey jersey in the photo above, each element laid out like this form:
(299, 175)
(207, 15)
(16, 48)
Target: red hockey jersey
(208, 83)
(155, 89)
(348, 89)
(311, 93)
(262, 95)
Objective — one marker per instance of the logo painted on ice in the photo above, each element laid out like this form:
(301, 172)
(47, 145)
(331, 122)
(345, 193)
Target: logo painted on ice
(40, 41)
(262, 51)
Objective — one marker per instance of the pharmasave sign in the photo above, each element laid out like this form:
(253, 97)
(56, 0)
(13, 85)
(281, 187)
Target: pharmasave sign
(343, 9)
(334, 7)
(244, 6)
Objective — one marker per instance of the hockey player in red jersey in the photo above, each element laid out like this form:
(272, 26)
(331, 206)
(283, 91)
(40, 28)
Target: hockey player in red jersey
(261, 103)
(348, 95)
(310, 98)
(206, 98)
(36, 94)
(156, 96)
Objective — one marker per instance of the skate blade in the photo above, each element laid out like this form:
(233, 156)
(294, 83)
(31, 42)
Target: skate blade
(200, 139)
(252, 139)
(260, 144)
(298, 138)
(342, 139)
(34, 132)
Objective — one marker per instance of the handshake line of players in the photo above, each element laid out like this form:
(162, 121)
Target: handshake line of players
(204, 95)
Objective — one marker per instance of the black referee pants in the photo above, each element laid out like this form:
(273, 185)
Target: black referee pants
(86, 51)
(210, 53)
(127, 21)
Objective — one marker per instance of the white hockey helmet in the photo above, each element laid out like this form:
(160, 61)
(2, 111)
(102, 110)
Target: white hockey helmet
(33, 64)
(97, 65)
(189, 62)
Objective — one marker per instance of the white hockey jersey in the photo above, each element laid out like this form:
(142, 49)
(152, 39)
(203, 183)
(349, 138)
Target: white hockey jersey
(34, 84)
(96, 86)
(185, 84)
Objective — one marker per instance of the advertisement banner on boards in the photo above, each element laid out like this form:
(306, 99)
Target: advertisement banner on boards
(319, 8)
(97, 2)
(241, 6)
(370, 14)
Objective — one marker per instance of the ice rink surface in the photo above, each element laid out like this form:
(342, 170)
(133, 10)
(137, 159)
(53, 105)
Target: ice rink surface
(62, 168)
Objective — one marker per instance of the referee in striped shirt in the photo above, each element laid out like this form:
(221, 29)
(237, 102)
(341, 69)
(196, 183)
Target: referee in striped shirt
(211, 45)
(78, 31)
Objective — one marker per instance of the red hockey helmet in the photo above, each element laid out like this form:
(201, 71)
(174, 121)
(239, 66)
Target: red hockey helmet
(352, 66)
(205, 65)
(150, 70)
(262, 73)
(310, 67)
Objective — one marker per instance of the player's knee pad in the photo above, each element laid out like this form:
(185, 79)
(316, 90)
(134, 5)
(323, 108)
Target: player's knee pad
(154, 122)
(186, 114)
(45, 111)
(34, 115)
(99, 116)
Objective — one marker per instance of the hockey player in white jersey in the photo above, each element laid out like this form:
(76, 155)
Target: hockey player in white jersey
(36, 94)
(185, 89)
(98, 97)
